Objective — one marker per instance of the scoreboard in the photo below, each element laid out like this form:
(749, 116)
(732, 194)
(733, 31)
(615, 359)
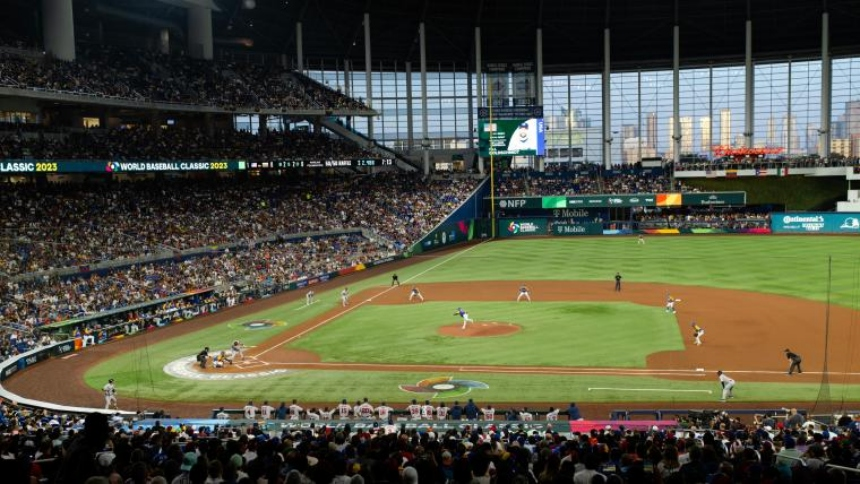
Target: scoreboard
(352, 163)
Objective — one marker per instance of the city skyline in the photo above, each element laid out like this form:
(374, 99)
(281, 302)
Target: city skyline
(641, 105)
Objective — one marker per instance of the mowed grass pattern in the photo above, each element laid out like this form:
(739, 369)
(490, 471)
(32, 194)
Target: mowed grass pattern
(796, 266)
(790, 265)
(552, 334)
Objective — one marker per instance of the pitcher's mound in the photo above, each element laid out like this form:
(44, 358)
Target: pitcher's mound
(479, 330)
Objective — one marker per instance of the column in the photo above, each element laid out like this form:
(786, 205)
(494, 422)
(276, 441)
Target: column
(471, 108)
(410, 125)
(607, 104)
(788, 146)
(569, 122)
(676, 95)
(200, 33)
(826, 86)
(300, 54)
(58, 29)
(263, 127)
(164, 41)
(749, 86)
(425, 134)
(347, 78)
(638, 115)
(711, 110)
(479, 88)
(539, 160)
(368, 73)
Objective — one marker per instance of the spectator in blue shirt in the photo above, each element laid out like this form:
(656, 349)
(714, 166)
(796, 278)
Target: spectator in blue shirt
(573, 412)
(471, 410)
(456, 411)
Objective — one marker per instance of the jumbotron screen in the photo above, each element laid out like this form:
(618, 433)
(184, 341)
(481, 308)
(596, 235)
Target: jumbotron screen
(511, 137)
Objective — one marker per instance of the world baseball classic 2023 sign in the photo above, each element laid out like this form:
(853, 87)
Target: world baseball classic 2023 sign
(815, 223)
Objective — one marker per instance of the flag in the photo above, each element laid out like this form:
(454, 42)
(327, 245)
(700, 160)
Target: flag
(731, 173)
(709, 173)
(783, 171)
(760, 171)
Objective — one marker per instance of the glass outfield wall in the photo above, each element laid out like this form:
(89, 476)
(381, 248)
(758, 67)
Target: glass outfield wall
(787, 107)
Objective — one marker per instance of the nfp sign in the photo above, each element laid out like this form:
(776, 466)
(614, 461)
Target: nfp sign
(519, 203)
(815, 223)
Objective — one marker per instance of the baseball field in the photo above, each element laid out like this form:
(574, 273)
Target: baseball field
(577, 340)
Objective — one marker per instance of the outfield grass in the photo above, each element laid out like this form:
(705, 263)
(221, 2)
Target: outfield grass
(790, 265)
(796, 266)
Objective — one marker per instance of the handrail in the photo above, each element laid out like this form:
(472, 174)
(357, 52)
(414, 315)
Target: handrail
(842, 468)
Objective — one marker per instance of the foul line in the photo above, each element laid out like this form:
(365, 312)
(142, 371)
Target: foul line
(650, 390)
(305, 306)
(370, 299)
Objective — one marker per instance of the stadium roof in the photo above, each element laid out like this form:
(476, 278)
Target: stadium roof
(711, 30)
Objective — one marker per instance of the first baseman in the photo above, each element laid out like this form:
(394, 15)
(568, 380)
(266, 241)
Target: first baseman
(727, 383)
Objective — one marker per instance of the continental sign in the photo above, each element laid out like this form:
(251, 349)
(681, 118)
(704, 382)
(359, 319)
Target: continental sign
(671, 199)
(815, 223)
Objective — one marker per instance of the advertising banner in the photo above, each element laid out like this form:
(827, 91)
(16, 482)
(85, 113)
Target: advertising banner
(108, 166)
(519, 203)
(448, 233)
(584, 214)
(585, 228)
(815, 223)
(624, 200)
(522, 226)
(714, 199)
(635, 200)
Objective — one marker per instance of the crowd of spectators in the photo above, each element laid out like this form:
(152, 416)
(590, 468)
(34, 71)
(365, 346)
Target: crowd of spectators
(690, 219)
(72, 448)
(768, 163)
(532, 183)
(33, 303)
(143, 75)
(58, 225)
(173, 143)
(333, 99)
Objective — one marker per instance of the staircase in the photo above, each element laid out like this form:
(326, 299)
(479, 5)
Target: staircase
(402, 162)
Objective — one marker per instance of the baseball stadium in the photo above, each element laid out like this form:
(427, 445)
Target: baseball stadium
(454, 242)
